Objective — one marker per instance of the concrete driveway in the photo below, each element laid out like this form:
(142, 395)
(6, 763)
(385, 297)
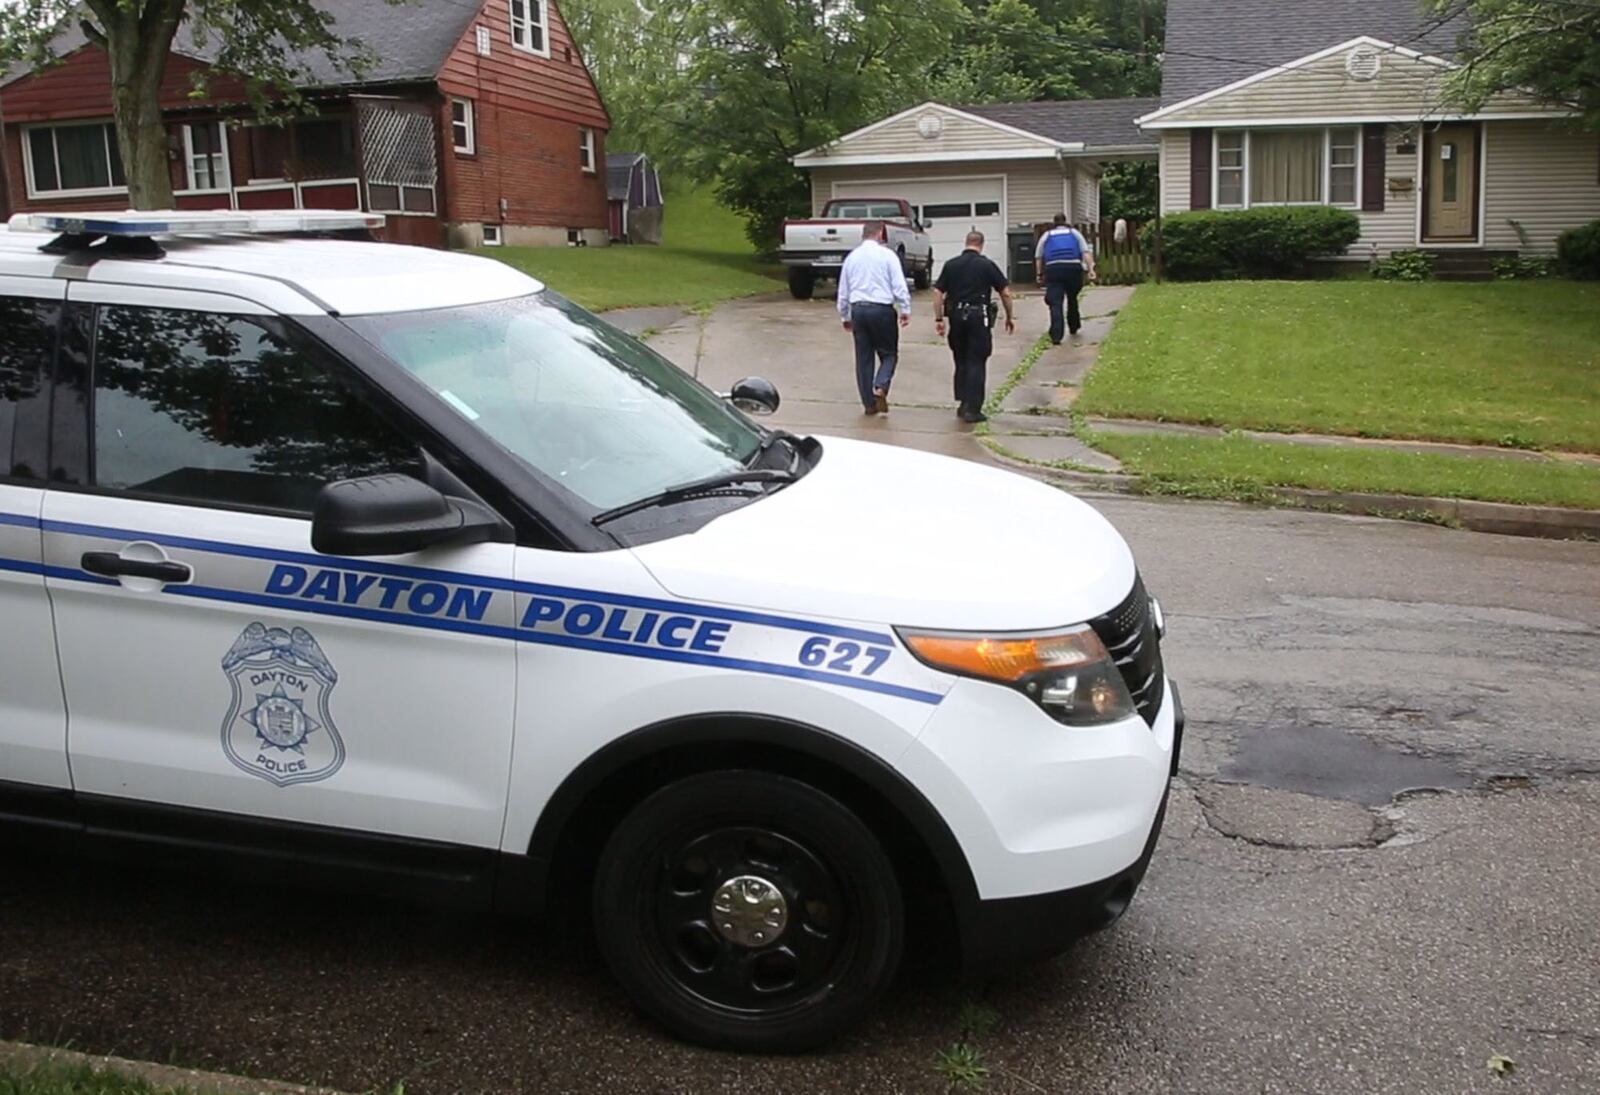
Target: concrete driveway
(800, 346)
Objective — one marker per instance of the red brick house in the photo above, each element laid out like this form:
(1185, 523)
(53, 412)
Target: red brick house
(478, 123)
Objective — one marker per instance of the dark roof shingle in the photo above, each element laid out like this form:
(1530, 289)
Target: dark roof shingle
(1210, 45)
(1098, 123)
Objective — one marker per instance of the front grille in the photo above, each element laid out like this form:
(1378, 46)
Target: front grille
(1129, 634)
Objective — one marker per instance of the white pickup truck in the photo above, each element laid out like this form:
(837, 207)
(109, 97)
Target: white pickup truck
(815, 248)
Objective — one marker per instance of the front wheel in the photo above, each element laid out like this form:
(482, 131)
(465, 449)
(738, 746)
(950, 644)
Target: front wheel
(749, 911)
(924, 275)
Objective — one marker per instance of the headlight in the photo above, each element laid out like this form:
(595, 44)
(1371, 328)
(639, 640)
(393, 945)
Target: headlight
(1067, 673)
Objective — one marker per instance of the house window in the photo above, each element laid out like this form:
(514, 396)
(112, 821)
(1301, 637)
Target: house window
(1230, 170)
(1344, 157)
(205, 148)
(491, 235)
(1286, 167)
(461, 125)
(530, 27)
(68, 159)
(586, 148)
(485, 43)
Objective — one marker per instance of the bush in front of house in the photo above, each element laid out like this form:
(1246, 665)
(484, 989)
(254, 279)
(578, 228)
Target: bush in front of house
(1409, 265)
(1578, 250)
(1266, 242)
(1524, 268)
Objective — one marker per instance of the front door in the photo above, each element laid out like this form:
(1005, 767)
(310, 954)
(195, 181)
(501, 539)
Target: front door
(1450, 185)
(210, 659)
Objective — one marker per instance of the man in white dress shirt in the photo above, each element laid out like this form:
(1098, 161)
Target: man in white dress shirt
(871, 285)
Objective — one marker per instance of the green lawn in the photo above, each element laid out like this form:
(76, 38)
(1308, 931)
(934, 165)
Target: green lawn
(704, 259)
(79, 1080)
(1237, 467)
(1503, 363)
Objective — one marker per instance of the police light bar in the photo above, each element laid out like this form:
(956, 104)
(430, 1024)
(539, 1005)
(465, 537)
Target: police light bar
(168, 222)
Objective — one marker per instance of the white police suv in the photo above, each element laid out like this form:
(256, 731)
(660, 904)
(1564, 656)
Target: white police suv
(382, 566)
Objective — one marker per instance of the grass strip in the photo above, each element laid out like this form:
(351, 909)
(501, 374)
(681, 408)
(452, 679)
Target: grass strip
(1511, 363)
(1244, 470)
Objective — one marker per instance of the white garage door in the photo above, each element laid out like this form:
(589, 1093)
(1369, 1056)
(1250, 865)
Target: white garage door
(950, 208)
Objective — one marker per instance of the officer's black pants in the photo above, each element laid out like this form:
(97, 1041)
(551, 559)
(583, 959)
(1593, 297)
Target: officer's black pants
(971, 343)
(1063, 281)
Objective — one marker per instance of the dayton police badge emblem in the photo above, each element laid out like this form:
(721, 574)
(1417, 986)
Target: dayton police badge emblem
(278, 726)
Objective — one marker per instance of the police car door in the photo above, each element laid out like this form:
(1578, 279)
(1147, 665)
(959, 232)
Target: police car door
(210, 659)
(33, 723)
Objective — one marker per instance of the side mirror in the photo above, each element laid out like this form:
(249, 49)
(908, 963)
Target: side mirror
(395, 515)
(755, 395)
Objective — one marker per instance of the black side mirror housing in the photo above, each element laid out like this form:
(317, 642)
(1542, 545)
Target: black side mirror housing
(396, 515)
(755, 395)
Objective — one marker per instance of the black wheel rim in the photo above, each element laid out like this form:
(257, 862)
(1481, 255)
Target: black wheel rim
(782, 974)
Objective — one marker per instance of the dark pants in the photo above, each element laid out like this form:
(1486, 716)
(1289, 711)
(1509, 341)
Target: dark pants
(1063, 281)
(971, 343)
(876, 328)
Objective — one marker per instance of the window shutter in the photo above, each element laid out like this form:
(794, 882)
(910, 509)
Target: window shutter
(1199, 169)
(1374, 168)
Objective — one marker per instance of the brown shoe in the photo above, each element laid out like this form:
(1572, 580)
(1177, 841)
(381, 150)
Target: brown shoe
(883, 403)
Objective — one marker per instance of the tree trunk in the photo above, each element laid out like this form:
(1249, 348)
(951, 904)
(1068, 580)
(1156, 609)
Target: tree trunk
(137, 41)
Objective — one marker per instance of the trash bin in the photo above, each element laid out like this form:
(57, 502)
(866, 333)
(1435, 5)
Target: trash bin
(1020, 242)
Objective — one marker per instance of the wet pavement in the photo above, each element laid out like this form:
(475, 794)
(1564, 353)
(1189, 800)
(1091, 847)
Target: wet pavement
(1378, 871)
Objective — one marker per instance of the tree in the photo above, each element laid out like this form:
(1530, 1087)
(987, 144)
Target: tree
(268, 44)
(1550, 48)
(635, 49)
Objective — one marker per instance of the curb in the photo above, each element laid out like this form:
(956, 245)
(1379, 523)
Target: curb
(24, 1056)
(1542, 522)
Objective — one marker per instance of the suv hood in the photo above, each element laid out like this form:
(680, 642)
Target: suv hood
(887, 535)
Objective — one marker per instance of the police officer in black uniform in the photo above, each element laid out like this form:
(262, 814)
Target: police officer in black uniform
(963, 294)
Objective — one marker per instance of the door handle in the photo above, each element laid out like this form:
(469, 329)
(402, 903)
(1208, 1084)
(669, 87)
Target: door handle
(108, 564)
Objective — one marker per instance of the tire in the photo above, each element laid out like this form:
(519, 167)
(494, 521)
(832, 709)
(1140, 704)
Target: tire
(924, 275)
(840, 924)
(802, 282)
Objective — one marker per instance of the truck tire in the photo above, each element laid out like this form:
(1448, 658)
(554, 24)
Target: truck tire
(802, 282)
(924, 275)
(812, 926)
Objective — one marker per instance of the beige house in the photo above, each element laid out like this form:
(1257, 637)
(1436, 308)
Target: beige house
(1361, 122)
(989, 167)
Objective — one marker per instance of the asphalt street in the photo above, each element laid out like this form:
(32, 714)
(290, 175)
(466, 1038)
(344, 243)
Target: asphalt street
(1378, 871)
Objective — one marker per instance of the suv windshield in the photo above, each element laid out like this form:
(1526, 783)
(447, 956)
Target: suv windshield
(590, 408)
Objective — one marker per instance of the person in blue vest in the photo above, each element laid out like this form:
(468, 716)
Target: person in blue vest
(1062, 263)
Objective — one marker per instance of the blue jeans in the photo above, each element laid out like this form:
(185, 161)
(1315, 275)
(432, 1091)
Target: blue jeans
(876, 328)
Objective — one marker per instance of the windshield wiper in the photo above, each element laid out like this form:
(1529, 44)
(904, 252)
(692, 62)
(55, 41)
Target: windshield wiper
(772, 438)
(709, 485)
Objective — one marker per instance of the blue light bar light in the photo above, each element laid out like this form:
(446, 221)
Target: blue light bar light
(211, 222)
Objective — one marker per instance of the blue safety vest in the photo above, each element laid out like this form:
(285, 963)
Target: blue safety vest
(1062, 245)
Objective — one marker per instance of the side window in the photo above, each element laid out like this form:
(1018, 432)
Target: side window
(27, 343)
(227, 410)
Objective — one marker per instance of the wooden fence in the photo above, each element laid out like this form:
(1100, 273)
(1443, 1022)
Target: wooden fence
(1127, 261)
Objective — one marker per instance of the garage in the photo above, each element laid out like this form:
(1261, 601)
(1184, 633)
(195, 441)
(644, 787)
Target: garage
(948, 208)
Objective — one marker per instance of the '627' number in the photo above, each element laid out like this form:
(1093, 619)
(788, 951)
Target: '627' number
(843, 655)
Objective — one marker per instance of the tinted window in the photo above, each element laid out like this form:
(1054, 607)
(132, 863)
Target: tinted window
(227, 410)
(940, 210)
(27, 340)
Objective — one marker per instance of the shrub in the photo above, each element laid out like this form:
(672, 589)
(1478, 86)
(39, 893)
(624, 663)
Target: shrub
(1410, 265)
(1517, 268)
(1269, 242)
(1579, 252)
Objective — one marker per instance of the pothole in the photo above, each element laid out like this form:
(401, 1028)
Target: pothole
(1333, 764)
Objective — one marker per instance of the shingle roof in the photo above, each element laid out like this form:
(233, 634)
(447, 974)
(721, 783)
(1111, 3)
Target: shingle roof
(619, 173)
(1098, 123)
(409, 41)
(1211, 44)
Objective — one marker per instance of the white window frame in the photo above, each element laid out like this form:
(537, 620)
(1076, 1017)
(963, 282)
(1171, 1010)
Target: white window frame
(586, 148)
(189, 154)
(1243, 169)
(1327, 168)
(485, 41)
(535, 13)
(79, 192)
(469, 123)
(498, 239)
